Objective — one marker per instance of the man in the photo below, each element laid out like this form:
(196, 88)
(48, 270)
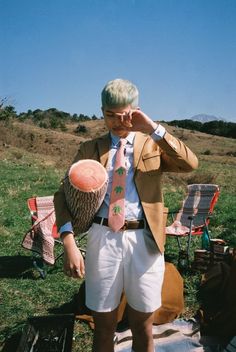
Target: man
(131, 258)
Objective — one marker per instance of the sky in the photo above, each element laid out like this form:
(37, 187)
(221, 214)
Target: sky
(181, 54)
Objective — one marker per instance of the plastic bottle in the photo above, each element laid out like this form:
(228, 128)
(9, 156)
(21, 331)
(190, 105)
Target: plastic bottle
(205, 239)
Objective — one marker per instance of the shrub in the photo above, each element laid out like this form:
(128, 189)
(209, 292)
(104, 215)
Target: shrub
(43, 124)
(63, 127)
(81, 129)
(231, 153)
(207, 152)
(54, 122)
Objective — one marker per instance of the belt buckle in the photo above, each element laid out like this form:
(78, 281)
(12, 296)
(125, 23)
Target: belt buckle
(125, 226)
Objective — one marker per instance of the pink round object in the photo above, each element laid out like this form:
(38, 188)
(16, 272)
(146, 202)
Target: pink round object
(87, 175)
(85, 189)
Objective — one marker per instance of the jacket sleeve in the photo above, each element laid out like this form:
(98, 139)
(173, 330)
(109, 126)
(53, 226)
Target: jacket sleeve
(175, 155)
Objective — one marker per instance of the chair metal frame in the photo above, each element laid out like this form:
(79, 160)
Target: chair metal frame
(192, 221)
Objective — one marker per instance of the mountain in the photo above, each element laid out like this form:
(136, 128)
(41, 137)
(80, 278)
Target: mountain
(206, 118)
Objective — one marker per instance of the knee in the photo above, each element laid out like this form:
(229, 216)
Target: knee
(141, 330)
(140, 323)
(103, 337)
(104, 330)
(105, 323)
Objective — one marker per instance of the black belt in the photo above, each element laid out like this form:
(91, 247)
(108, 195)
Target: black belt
(128, 225)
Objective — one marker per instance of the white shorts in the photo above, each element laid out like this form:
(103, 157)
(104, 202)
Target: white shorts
(126, 261)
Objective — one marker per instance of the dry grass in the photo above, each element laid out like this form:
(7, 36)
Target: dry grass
(32, 160)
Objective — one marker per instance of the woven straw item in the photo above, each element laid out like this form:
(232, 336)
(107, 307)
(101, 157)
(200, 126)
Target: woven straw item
(85, 188)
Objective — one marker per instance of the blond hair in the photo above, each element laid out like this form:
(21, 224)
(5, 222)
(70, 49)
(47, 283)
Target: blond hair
(119, 93)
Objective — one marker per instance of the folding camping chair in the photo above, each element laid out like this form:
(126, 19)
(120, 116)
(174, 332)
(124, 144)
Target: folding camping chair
(194, 216)
(43, 234)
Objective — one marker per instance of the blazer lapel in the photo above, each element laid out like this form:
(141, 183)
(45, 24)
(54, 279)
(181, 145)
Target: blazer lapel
(103, 149)
(139, 142)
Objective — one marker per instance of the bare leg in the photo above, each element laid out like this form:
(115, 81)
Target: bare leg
(105, 326)
(141, 327)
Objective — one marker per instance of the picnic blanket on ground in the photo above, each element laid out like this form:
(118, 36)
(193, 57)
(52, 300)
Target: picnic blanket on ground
(39, 238)
(178, 336)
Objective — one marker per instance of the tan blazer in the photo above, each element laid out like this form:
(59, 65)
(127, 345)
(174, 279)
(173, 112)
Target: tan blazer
(151, 159)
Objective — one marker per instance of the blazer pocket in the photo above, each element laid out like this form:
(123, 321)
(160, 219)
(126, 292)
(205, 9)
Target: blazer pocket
(152, 161)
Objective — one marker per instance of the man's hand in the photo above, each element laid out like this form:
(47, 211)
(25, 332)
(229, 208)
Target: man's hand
(136, 120)
(73, 259)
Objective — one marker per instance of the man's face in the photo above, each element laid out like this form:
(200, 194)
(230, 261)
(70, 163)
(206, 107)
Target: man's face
(115, 122)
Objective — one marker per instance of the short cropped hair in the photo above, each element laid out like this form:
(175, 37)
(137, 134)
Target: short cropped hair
(119, 93)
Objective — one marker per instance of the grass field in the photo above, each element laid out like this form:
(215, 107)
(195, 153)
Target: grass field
(23, 293)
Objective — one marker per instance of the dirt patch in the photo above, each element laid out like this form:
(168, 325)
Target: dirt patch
(57, 147)
(54, 145)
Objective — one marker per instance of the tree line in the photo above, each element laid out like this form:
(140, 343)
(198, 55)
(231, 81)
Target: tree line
(216, 127)
(53, 118)
(50, 118)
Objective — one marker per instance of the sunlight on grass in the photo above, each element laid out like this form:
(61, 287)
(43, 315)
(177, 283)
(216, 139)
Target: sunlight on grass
(24, 294)
(4, 231)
